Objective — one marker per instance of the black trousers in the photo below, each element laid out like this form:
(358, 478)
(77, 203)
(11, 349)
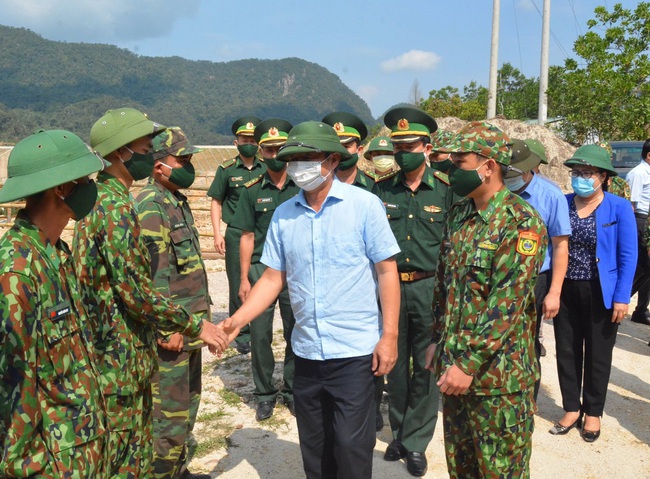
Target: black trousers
(335, 412)
(541, 290)
(641, 282)
(584, 342)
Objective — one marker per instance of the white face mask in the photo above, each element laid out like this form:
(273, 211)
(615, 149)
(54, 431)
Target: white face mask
(516, 183)
(383, 163)
(306, 174)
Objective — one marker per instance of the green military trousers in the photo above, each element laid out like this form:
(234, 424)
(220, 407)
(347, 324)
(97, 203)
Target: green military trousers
(262, 359)
(233, 272)
(412, 390)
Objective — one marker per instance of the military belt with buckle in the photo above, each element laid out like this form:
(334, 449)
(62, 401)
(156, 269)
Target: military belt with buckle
(414, 276)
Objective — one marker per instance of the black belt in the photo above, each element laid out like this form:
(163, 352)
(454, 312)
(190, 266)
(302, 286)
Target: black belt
(414, 276)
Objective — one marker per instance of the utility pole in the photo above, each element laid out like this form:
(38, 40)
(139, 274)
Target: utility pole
(494, 54)
(542, 113)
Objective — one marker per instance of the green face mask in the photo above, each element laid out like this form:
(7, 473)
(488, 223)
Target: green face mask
(349, 163)
(82, 199)
(274, 165)
(408, 161)
(463, 182)
(247, 150)
(182, 177)
(140, 166)
(443, 165)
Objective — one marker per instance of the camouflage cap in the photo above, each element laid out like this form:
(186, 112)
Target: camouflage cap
(312, 137)
(592, 155)
(409, 124)
(174, 142)
(348, 127)
(538, 148)
(274, 131)
(379, 143)
(523, 159)
(484, 139)
(46, 159)
(120, 127)
(606, 145)
(442, 138)
(245, 125)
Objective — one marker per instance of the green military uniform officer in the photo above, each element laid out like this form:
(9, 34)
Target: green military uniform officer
(416, 199)
(228, 183)
(53, 415)
(351, 131)
(482, 352)
(255, 208)
(178, 272)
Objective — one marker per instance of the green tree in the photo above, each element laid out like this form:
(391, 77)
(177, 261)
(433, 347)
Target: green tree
(605, 93)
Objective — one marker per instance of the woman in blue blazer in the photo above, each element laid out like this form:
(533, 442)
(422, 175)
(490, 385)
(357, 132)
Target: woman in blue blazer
(596, 291)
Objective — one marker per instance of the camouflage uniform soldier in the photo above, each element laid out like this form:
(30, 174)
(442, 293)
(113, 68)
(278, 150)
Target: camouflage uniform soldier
(440, 160)
(179, 273)
(416, 199)
(351, 132)
(484, 313)
(255, 208)
(53, 416)
(227, 186)
(615, 184)
(112, 263)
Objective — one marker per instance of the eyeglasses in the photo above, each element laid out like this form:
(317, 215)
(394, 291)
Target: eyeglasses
(586, 174)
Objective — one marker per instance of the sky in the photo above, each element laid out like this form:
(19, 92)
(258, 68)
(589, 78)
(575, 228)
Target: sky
(380, 49)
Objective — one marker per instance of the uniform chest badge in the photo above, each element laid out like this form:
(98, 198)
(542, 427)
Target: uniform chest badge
(264, 200)
(432, 209)
(391, 206)
(236, 178)
(488, 246)
(527, 243)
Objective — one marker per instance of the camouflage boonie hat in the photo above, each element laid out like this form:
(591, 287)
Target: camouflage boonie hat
(244, 126)
(538, 148)
(442, 138)
(605, 144)
(379, 143)
(272, 132)
(347, 126)
(174, 142)
(484, 139)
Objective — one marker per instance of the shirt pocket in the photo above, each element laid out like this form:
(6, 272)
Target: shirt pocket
(65, 433)
(60, 334)
(346, 250)
(432, 222)
(479, 271)
(181, 239)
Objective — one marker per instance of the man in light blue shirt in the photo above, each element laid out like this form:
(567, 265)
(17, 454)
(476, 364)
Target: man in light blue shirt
(333, 246)
(550, 203)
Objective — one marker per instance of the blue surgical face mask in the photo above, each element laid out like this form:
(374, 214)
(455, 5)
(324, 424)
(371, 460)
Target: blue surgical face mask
(516, 183)
(583, 186)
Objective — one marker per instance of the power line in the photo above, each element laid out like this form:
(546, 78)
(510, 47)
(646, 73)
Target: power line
(557, 41)
(575, 18)
(521, 62)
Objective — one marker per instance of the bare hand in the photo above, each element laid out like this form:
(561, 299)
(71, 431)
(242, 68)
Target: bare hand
(550, 306)
(173, 343)
(220, 244)
(619, 310)
(384, 356)
(244, 289)
(428, 356)
(229, 328)
(454, 381)
(214, 337)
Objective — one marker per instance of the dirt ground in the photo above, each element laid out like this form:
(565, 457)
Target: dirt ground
(232, 445)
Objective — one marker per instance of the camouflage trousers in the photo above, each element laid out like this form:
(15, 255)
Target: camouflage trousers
(488, 436)
(130, 440)
(176, 397)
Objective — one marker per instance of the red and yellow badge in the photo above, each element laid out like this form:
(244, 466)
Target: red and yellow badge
(527, 243)
(273, 132)
(250, 126)
(383, 142)
(338, 126)
(403, 125)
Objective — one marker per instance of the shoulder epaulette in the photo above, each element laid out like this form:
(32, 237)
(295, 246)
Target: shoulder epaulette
(228, 163)
(386, 176)
(442, 177)
(252, 182)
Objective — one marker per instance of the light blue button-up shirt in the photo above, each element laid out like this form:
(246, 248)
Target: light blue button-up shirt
(329, 257)
(549, 201)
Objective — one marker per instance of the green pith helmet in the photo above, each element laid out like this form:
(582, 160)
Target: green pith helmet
(46, 159)
(409, 124)
(592, 155)
(120, 127)
(379, 143)
(245, 125)
(312, 137)
(523, 159)
(172, 141)
(484, 139)
(538, 148)
(347, 126)
(274, 131)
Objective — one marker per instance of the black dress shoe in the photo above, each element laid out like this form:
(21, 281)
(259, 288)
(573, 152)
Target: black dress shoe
(395, 451)
(590, 436)
(243, 348)
(641, 318)
(416, 463)
(264, 410)
(559, 430)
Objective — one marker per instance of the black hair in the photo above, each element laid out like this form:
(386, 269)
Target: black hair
(646, 149)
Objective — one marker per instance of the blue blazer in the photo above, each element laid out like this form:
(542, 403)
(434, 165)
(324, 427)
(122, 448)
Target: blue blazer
(616, 248)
